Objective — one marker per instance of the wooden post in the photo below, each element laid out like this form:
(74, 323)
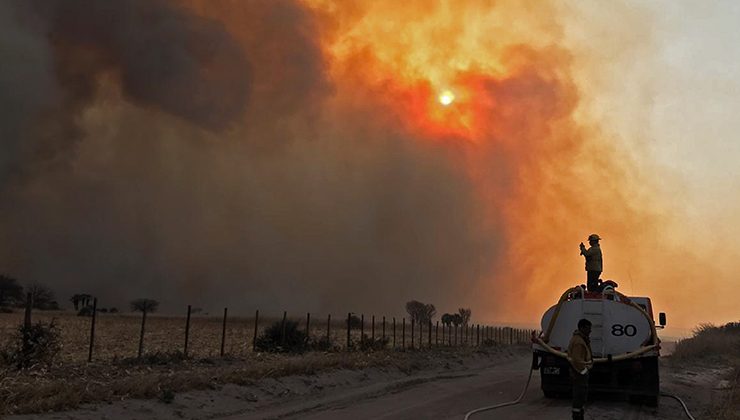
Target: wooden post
(412, 333)
(256, 327)
(349, 329)
(141, 335)
(511, 335)
(394, 333)
(362, 330)
(372, 329)
(187, 332)
(477, 336)
(328, 330)
(223, 333)
(282, 328)
(430, 333)
(421, 334)
(92, 330)
(455, 334)
(384, 328)
(403, 333)
(308, 326)
(436, 335)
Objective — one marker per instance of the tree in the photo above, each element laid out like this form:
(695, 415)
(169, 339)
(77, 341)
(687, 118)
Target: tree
(144, 305)
(42, 297)
(465, 315)
(10, 291)
(420, 312)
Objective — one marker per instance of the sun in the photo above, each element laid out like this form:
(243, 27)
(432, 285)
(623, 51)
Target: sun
(446, 98)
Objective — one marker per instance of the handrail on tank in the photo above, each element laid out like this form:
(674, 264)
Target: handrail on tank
(542, 341)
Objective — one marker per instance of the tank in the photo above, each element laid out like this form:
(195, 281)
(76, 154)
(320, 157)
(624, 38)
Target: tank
(624, 342)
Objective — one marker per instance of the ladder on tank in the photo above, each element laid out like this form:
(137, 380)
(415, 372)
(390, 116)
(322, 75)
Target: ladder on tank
(593, 310)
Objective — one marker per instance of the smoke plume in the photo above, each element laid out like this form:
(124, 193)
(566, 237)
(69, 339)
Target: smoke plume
(294, 155)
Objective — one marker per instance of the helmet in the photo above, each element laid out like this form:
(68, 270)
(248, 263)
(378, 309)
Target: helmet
(594, 237)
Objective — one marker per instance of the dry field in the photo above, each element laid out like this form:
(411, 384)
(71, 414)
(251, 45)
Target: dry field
(115, 372)
(117, 335)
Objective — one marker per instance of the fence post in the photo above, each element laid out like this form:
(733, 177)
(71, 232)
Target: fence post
(511, 336)
(455, 334)
(282, 328)
(412, 333)
(394, 333)
(256, 325)
(308, 326)
(430, 333)
(383, 330)
(362, 330)
(372, 329)
(223, 332)
(477, 335)
(349, 330)
(328, 330)
(421, 335)
(187, 332)
(141, 335)
(436, 335)
(403, 333)
(92, 330)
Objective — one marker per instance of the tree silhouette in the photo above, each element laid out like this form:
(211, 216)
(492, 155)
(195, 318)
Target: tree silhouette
(42, 297)
(464, 315)
(420, 312)
(10, 291)
(144, 305)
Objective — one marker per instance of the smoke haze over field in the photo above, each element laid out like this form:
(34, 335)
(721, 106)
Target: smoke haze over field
(285, 154)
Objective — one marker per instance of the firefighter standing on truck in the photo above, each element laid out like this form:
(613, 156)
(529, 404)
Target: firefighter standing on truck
(581, 360)
(594, 264)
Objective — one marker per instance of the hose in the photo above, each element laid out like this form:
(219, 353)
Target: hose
(506, 404)
(526, 386)
(683, 404)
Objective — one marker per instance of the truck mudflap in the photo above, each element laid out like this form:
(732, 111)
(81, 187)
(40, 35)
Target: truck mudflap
(636, 378)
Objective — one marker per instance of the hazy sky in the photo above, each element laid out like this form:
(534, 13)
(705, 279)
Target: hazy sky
(288, 154)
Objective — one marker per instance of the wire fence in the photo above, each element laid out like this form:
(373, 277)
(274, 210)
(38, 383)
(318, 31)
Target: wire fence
(105, 336)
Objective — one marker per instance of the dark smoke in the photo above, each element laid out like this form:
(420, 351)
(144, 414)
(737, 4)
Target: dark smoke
(174, 189)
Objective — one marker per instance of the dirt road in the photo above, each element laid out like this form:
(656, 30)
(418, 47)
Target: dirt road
(447, 391)
(451, 396)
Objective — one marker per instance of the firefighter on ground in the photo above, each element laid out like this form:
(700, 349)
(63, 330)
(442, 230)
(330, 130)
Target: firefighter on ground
(594, 264)
(579, 356)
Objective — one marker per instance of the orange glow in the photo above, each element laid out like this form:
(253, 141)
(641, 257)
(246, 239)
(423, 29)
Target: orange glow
(491, 85)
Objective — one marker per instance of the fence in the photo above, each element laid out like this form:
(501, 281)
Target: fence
(106, 336)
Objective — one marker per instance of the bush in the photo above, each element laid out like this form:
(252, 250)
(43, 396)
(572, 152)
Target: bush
(272, 339)
(85, 311)
(709, 342)
(355, 321)
(368, 343)
(29, 346)
(113, 310)
(324, 344)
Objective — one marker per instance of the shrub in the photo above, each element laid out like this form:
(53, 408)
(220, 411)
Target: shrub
(324, 344)
(113, 310)
(709, 342)
(272, 339)
(355, 321)
(368, 343)
(36, 344)
(85, 311)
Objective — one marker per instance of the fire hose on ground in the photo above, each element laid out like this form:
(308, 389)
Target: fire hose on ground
(519, 399)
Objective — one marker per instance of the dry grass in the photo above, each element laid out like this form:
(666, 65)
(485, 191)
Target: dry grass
(117, 335)
(66, 387)
(716, 346)
(115, 373)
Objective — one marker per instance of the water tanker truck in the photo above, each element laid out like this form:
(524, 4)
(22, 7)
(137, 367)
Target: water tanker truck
(624, 342)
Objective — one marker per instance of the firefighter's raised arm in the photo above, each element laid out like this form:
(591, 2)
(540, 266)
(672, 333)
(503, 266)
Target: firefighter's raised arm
(584, 251)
